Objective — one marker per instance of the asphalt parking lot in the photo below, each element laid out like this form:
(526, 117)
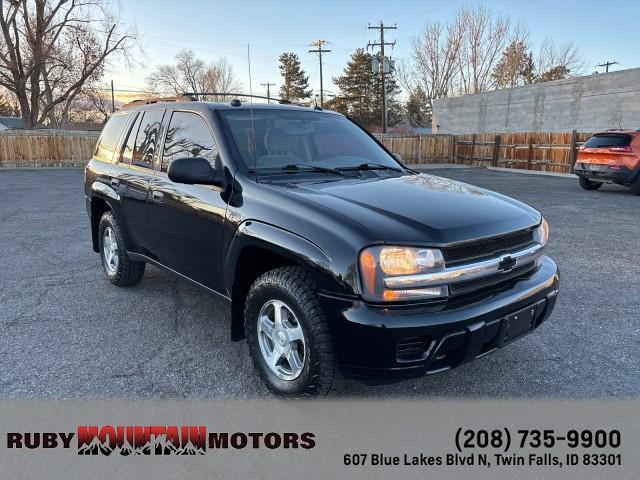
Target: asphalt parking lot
(66, 332)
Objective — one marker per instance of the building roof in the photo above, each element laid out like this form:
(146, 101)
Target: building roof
(11, 122)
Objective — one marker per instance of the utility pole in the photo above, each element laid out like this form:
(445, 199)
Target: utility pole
(268, 85)
(113, 99)
(606, 65)
(319, 50)
(381, 27)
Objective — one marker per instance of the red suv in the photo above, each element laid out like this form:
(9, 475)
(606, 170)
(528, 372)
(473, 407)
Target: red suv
(610, 157)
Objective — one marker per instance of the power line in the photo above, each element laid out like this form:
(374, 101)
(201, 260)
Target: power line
(382, 44)
(319, 50)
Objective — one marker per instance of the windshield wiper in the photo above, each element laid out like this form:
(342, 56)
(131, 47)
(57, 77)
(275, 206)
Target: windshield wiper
(372, 166)
(310, 168)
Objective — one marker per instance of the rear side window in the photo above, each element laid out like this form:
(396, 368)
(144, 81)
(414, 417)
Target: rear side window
(608, 140)
(147, 138)
(188, 136)
(108, 142)
(129, 144)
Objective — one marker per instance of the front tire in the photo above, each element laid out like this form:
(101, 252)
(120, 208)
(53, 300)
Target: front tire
(588, 184)
(119, 268)
(288, 334)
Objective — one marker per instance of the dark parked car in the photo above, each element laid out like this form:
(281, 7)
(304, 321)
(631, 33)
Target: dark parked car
(332, 253)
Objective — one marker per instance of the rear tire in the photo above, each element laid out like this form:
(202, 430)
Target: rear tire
(119, 268)
(300, 333)
(589, 185)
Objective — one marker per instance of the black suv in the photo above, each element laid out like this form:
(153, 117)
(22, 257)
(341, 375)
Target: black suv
(332, 253)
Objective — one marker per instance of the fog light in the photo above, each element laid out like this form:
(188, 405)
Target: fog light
(413, 293)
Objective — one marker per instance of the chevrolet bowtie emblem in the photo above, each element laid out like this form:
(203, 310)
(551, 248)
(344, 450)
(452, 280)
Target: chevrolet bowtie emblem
(506, 264)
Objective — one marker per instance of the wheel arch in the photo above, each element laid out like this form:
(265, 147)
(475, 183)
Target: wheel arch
(99, 206)
(259, 247)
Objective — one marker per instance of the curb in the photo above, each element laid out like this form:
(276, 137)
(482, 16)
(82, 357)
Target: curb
(437, 166)
(533, 172)
(433, 166)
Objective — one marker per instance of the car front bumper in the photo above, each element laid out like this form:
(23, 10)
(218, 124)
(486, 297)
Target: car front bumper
(606, 174)
(377, 342)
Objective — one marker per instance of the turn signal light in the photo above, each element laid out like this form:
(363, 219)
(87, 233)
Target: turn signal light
(414, 293)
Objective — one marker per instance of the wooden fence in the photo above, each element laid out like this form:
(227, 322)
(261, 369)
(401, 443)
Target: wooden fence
(545, 151)
(553, 152)
(46, 148)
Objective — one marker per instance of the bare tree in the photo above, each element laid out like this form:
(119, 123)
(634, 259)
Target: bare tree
(555, 62)
(93, 104)
(8, 107)
(435, 64)
(515, 65)
(485, 38)
(219, 77)
(191, 74)
(51, 48)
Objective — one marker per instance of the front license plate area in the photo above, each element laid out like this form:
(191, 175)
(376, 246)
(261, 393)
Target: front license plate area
(518, 323)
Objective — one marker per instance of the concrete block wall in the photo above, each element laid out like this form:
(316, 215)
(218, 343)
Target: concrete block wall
(586, 104)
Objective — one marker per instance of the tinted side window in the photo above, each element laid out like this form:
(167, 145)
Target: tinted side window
(129, 144)
(146, 144)
(188, 136)
(108, 142)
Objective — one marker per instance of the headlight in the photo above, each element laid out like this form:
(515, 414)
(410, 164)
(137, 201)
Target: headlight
(541, 234)
(381, 262)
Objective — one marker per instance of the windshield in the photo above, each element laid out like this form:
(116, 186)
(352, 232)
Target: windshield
(274, 139)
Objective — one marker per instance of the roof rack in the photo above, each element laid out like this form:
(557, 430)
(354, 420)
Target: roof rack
(148, 101)
(236, 95)
(194, 97)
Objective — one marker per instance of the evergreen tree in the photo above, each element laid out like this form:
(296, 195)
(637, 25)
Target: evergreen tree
(361, 92)
(556, 73)
(509, 71)
(529, 71)
(295, 84)
(418, 109)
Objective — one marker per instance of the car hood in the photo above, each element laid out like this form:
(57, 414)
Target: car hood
(418, 208)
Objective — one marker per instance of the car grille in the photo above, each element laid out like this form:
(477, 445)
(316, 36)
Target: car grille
(487, 248)
(460, 288)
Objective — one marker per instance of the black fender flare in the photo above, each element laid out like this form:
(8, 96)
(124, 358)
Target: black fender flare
(110, 196)
(283, 242)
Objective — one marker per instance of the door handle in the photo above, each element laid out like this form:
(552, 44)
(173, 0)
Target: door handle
(157, 196)
(115, 183)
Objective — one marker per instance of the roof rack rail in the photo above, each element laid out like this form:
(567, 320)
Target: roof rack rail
(147, 101)
(243, 95)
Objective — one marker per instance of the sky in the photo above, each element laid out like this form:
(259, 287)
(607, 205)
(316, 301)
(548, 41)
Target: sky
(603, 31)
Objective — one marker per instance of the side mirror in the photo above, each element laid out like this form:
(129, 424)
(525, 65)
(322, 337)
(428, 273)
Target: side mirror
(196, 171)
(398, 157)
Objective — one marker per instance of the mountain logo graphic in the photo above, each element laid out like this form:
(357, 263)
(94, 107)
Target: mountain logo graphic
(127, 441)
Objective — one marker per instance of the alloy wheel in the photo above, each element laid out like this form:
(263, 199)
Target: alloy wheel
(281, 339)
(110, 250)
